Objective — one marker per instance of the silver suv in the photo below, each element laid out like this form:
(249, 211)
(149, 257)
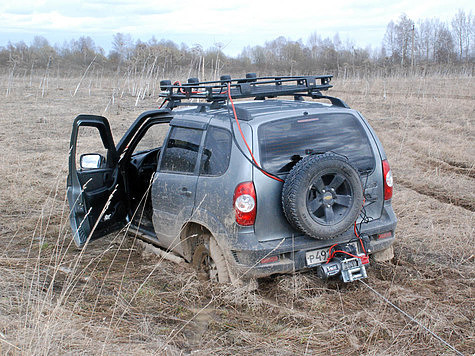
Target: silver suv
(241, 189)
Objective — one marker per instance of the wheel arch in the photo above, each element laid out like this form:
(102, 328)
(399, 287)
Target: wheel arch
(191, 236)
(201, 221)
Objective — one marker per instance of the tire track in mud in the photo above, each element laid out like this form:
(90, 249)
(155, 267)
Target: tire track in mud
(452, 166)
(439, 195)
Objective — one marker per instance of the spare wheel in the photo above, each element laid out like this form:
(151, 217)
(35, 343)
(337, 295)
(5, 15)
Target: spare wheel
(322, 195)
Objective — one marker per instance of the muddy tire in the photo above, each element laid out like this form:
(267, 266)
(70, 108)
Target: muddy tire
(322, 196)
(209, 262)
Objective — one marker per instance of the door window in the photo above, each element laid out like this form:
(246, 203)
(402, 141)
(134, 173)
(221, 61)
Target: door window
(181, 152)
(216, 153)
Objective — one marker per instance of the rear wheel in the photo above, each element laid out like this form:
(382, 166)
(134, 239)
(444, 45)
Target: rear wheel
(209, 262)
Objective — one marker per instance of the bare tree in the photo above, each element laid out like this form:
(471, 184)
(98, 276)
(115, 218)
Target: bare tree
(404, 29)
(389, 41)
(443, 45)
(122, 45)
(41, 52)
(462, 27)
(426, 39)
(314, 41)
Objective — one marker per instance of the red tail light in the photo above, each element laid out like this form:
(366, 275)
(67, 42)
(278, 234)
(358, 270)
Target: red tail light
(270, 259)
(385, 235)
(388, 180)
(245, 203)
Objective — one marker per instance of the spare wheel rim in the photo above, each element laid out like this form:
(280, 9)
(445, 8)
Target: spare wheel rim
(329, 198)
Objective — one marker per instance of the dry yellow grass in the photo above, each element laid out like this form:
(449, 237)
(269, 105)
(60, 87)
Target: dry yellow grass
(110, 300)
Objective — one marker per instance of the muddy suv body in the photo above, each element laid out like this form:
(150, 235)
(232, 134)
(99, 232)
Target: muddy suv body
(233, 183)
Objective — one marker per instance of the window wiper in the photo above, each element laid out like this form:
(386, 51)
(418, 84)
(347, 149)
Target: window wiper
(313, 151)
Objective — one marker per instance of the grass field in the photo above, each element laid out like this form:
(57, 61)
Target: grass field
(112, 299)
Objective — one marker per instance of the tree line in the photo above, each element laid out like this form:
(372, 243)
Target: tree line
(428, 46)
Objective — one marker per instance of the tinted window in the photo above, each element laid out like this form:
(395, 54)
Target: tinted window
(181, 151)
(283, 142)
(216, 153)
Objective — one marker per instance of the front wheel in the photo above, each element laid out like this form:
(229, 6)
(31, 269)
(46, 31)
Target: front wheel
(209, 262)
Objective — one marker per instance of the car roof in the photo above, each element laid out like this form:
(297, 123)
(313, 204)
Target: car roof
(259, 111)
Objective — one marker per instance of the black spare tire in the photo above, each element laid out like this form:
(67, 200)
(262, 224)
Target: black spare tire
(322, 195)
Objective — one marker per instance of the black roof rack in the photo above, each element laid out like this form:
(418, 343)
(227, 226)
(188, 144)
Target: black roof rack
(215, 92)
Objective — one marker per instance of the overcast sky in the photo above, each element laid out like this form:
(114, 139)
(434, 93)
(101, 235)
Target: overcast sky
(234, 23)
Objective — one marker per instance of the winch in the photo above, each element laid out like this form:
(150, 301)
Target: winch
(344, 262)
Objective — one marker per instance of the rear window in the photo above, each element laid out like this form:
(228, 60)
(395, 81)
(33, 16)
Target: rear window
(283, 142)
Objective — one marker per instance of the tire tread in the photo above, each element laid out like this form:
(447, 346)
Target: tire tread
(291, 189)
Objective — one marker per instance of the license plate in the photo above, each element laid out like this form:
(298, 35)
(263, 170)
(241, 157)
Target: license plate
(317, 257)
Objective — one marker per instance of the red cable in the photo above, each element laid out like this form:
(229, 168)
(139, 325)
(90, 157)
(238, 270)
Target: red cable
(242, 135)
(164, 101)
(349, 254)
(332, 254)
(181, 88)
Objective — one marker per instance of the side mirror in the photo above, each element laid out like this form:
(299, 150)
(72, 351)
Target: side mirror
(92, 161)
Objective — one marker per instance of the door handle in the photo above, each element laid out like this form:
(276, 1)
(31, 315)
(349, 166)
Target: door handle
(184, 191)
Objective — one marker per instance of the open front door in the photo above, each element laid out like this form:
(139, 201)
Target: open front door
(95, 188)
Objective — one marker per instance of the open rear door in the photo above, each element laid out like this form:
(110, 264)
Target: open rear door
(95, 188)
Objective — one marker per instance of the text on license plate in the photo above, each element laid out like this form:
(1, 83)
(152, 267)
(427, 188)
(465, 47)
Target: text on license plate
(316, 257)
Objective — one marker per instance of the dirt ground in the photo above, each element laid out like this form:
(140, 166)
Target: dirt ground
(110, 298)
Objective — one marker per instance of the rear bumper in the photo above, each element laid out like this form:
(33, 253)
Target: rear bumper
(247, 253)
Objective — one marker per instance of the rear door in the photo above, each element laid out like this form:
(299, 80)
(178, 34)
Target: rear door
(94, 187)
(174, 188)
(284, 142)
